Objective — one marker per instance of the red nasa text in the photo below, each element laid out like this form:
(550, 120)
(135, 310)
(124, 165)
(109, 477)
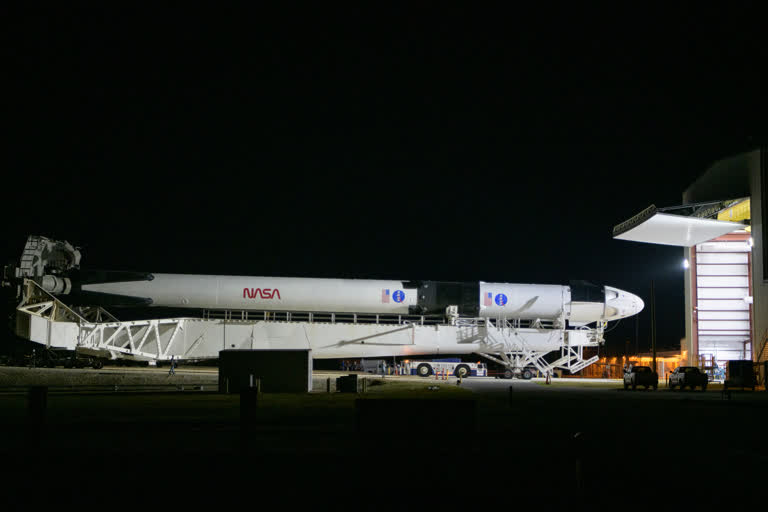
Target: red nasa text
(266, 293)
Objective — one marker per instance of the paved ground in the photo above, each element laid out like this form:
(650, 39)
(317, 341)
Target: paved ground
(563, 442)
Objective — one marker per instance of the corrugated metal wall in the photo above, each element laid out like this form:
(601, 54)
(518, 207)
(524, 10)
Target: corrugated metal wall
(722, 315)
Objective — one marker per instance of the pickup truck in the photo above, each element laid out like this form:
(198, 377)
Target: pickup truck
(641, 376)
(689, 376)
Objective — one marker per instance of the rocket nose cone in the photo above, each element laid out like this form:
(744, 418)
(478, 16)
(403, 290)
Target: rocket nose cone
(639, 304)
(621, 304)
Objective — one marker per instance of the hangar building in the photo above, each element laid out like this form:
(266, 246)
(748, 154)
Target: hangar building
(721, 225)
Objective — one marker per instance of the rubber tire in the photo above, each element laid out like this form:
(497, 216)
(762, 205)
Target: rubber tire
(508, 374)
(97, 365)
(671, 386)
(461, 371)
(703, 388)
(424, 370)
(527, 375)
(626, 386)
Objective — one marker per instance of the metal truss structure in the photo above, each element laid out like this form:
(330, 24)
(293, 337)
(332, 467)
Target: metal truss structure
(518, 346)
(510, 345)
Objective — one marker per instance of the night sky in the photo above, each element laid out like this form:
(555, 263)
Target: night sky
(430, 144)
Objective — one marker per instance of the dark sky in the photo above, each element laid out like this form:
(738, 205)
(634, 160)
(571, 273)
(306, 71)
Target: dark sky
(453, 145)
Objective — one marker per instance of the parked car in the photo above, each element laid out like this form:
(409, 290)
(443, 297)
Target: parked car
(641, 376)
(689, 376)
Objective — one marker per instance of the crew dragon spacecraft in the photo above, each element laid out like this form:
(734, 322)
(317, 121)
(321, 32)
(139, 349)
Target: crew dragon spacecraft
(506, 319)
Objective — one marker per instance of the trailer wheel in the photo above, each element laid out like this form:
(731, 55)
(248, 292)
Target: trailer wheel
(527, 375)
(98, 365)
(508, 374)
(461, 371)
(424, 370)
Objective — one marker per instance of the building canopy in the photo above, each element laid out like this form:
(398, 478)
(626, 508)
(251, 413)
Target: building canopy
(656, 227)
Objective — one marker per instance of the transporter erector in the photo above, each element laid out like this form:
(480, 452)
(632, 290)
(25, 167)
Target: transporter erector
(63, 306)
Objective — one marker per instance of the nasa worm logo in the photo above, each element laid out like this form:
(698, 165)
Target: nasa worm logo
(501, 299)
(266, 293)
(399, 296)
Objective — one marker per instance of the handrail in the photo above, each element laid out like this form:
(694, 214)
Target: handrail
(321, 317)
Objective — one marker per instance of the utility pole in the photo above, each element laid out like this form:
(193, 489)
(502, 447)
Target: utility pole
(626, 354)
(637, 333)
(653, 324)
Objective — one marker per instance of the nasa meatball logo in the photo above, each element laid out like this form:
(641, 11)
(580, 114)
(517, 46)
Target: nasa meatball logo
(398, 296)
(501, 299)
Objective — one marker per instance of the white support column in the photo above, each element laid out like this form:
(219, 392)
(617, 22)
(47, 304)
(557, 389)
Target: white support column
(144, 338)
(157, 337)
(173, 337)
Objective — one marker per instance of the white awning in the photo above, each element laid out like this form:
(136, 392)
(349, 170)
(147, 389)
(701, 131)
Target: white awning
(666, 229)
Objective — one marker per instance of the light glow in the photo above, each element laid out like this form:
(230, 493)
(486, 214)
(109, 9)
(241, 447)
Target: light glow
(685, 263)
(613, 368)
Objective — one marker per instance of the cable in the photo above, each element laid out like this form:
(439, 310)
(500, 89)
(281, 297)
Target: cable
(614, 326)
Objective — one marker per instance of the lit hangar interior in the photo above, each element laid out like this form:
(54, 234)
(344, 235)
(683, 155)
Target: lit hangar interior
(720, 226)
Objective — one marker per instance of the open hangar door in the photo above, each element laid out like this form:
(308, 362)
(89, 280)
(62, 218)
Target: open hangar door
(718, 256)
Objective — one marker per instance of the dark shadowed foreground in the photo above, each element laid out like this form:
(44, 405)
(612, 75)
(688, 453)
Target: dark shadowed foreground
(490, 446)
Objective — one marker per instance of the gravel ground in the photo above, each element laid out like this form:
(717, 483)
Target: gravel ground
(59, 377)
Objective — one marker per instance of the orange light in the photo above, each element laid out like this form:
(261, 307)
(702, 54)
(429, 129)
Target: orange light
(613, 367)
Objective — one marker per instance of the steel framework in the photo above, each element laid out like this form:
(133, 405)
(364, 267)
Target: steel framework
(94, 331)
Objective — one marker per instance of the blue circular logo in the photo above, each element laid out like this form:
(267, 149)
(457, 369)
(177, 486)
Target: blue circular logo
(501, 299)
(399, 296)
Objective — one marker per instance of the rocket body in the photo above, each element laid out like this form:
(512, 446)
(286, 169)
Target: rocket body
(576, 303)
(267, 293)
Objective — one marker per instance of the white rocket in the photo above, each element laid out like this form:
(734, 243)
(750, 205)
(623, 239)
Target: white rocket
(580, 303)
(56, 267)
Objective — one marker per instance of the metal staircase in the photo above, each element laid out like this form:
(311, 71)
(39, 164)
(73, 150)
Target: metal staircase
(516, 353)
